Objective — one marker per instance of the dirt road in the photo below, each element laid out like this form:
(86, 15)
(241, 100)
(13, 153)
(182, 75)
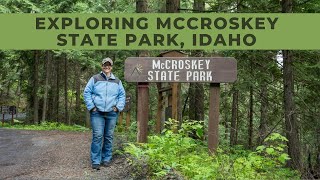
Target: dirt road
(53, 155)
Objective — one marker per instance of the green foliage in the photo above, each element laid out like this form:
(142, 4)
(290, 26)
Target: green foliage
(190, 127)
(275, 149)
(47, 126)
(178, 152)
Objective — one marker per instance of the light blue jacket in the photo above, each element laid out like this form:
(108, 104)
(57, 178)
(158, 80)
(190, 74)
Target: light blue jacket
(104, 93)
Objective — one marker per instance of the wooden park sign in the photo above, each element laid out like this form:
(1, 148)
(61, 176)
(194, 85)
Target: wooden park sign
(8, 110)
(180, 69)
(213, 70)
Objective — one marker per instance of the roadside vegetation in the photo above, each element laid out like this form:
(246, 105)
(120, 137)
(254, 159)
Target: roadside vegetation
(188, 158)
(46, 126)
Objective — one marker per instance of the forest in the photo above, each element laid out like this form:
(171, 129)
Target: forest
(269, 118)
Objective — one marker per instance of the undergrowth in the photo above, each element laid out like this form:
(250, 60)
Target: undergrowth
(46, 126)
(177, 152)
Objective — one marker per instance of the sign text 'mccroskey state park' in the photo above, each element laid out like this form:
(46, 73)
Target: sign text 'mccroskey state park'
(184, 69)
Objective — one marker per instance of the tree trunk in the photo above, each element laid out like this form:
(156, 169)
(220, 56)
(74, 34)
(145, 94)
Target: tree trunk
(199, 5)
(78, 86)
(35, 88)
(289, 105)
(18, 93)
(196, 106)
(290, 119)
(199, 105)
(234, 117)
(226, 112)
(162, 6)
(18, 90)
(159, 109)
(57, 93)
(141, 6)
(192, 100)
(317, 165)
(250, 124)
(52, 91)
(66, 112)
(143, 89)
(172, 6)
(234, 114)
(250, 127)
(263, 112)
(8, 88)
(45, 96)
(198, 100)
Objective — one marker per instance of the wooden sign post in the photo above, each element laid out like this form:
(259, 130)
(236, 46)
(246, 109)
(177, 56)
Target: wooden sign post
(12, 111)
(214, 70)
(4, 110)
(143, 111)
(120, 119)
(8, 110)
(213, 124)
(174, 94)
(126, 109)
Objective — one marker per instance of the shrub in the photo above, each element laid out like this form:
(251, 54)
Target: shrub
(178, 152)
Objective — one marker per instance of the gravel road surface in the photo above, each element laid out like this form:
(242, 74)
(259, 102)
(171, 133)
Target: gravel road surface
(53, 155)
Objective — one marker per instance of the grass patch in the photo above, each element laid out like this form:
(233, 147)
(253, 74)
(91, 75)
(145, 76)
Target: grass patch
(45, 126)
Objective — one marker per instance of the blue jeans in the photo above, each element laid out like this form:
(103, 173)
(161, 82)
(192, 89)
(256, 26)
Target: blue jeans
(103, 124)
